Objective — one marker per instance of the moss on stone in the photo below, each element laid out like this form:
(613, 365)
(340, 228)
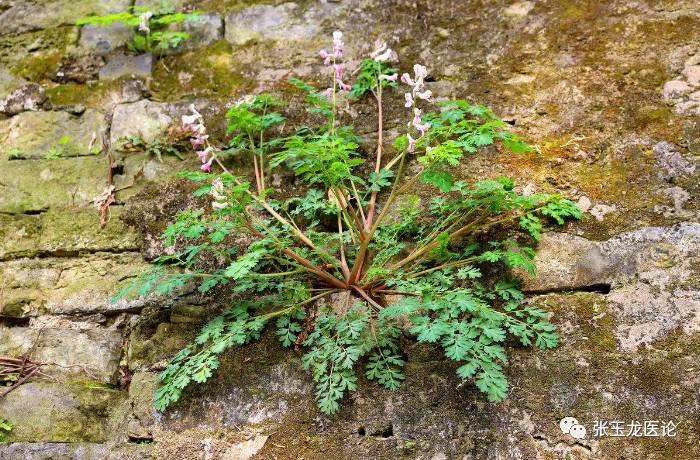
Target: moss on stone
(35, 55)
(210, 71)
(59, 412)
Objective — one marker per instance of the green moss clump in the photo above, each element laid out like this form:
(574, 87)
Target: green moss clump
(208, 71)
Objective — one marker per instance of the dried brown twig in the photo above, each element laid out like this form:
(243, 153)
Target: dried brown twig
(20, 370)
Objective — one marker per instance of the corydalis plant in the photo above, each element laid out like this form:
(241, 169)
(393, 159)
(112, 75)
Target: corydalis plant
(354, 265)
(151, 33)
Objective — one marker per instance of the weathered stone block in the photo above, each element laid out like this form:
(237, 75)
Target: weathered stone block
(35, 135)
(26, 16)
(92, 354)
(104, 39)
(74, 451)
(145, 118)
(120, 66)
(655, 254)
(37, 185)
(9, 82)
(63, 232)
(62, 286)
(45, 412)
(204, 30)
(148, 347)
(287, 21)
(18, 95)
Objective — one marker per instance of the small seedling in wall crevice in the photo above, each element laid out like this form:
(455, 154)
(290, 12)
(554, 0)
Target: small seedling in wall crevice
(152, 33)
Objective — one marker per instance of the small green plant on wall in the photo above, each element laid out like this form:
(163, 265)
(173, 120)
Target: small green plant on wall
(151, 27)
(5, 428)
(58, 150)
(355, 264)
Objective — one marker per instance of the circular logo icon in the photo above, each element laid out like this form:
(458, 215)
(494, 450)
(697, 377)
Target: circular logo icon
(566, 423)
(578, 431)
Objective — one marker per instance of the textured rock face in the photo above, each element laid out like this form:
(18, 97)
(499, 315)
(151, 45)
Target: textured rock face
(145, 118)
(94, 353)
(609, 92)
(56, 231)
(59, 412)
(652, 276)
(26, 16)
(104, 39)
(28, 96)
(268, 22)
(52, 134)
(127, 66)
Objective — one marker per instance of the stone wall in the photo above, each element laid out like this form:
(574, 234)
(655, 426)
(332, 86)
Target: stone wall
(609, 92)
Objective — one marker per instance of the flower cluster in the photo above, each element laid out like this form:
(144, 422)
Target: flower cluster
(218, 192)
(382, 53)
(333, 58)
(194, 123)
(143, 21)
(418, 91)
(418, 85)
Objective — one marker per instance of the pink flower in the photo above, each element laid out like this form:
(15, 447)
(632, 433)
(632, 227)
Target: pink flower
(338, 67)
(325, 56)
(219, 194)
(387, 56)
(409, 100)
(204, 154)
(193, 118)
(143, 21)
(339, 70)
(338, 43)
(189, 119)
(420, 71)
(425, 95)
(379, 48)
(207, 166)
(383, 54)
(417, 82)
(422, 127)
(198, 141)
(411, 143)
(391, 77)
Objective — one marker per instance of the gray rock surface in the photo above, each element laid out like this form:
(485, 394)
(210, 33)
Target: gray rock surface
(146, 118)
(38, 135)
(653, 274)
(206, 29)
(37, 185)
(29, 96)
(121, 66)
(287, 21)
(67, 285)
(653, 254)
(20, 16)
(606, 91)
(105, 39)
(59, 412)
(90, 354)
(64, 232)
(74, 451)
(671, 162)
